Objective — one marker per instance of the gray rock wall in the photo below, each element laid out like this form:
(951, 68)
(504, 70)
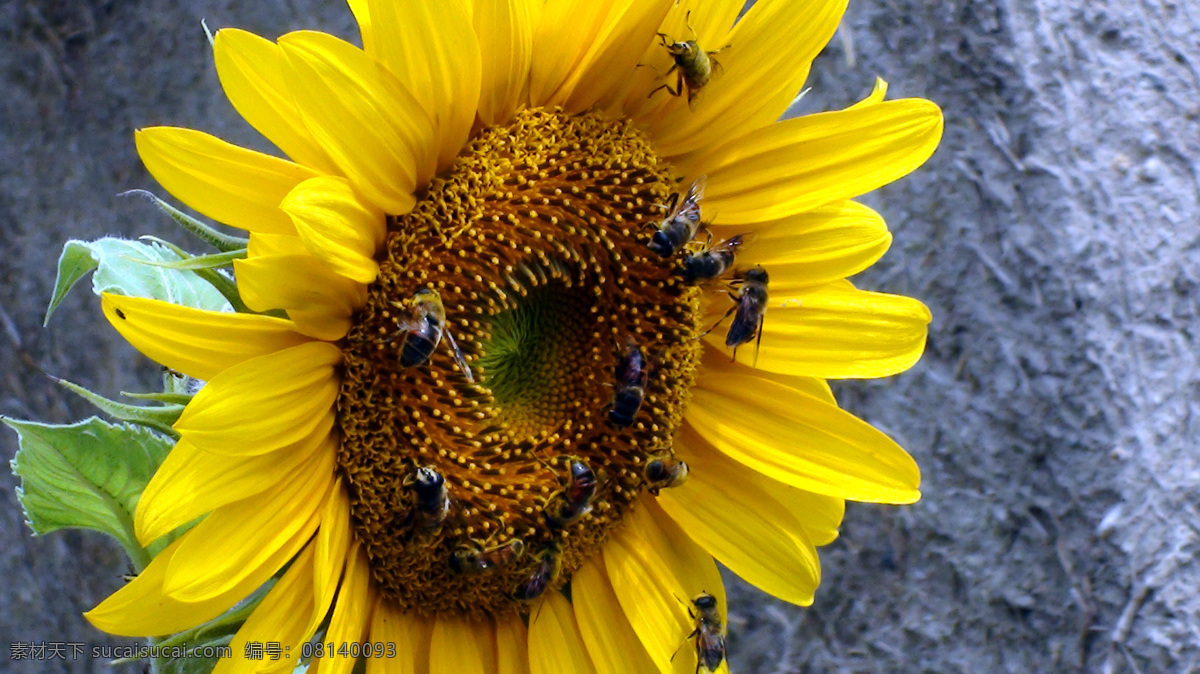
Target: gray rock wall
(1054, 235)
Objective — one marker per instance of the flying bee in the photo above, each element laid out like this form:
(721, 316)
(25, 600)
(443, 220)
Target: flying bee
(423, 326)
(576, 500)
(682, 221)
(693, 66)
(630, 387)
(433, 501)
(750, 302)
(709, 632)
(663, 471)
(471, 559)
(547, 570)
(711, 262)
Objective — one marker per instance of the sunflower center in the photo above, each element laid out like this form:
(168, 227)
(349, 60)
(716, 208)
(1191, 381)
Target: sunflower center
(515, 379)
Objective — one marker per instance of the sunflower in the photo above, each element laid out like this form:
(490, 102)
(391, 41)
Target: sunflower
(489, 411)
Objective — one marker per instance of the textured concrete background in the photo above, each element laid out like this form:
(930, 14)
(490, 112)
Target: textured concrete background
(1054, 235)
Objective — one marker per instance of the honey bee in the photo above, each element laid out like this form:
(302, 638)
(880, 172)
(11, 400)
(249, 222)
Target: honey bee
(709, 633)
(576, 500)
(693, 66)
(663, 471)
(471, 559)
(433, 501)
(547, 570)
(423, 327)
(711, 262)
(682, 221)
(630, 387)
(750, 302)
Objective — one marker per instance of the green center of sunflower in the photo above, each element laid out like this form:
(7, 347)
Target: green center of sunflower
(515, 379)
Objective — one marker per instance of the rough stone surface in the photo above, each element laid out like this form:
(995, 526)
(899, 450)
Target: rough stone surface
(1054, 235)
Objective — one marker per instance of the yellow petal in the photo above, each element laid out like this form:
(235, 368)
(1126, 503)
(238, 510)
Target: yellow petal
(251, 70)
(819, 516)
(338, 228)
(760, 73)
(611, 642)
(334, 547)
(512, 646)
(560, 39)
(435, 53)
(263, 245)
(200, 344)
(141, 608)
(264, 403)
(462, 646)
(727, 512)
(373, 129)
(604, 69)
(836, 332)
(281, 618)
(555, 645)
(653, 566)
(714, 359)
(800, 440)
(409, 632)
(878, 92)
(238, 539)
(351, 613)
(799, 164)
(816, 247)
(362, 15)
(192, 482)
(229, 184)
(505, 29)
(320, 302)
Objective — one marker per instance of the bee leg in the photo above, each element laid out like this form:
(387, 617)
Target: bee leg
(657, 75)
(673, 92)
(677, 651)
(714, 327)
(458, 357)
(758, 342)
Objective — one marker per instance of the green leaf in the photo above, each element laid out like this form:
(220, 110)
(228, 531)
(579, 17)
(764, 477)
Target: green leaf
(202, 231)
(122, 267)
(87, 475)
(158, 417)
(214, 261)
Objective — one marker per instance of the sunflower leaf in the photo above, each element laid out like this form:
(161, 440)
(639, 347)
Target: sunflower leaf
(87, 475)
(202, 231)
(158, 417)
(121, 267)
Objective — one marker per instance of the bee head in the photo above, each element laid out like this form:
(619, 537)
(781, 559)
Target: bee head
(656, 470)
(756, 275)
(684, 50)
(659, 243)
(705, 602)
(429, 482)
(462, 559)
(580, 470)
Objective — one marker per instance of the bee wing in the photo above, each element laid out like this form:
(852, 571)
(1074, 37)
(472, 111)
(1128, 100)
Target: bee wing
(696, 191)
(676, 207)
(409, 323)
(458, 357)
(732, 243)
